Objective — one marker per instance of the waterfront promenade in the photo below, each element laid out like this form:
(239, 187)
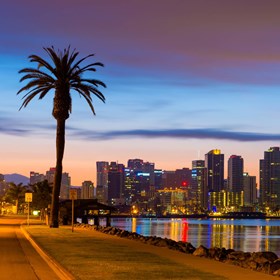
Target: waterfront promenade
(18, 258)
(89, 254)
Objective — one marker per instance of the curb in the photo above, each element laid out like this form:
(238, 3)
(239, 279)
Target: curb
(59, 270)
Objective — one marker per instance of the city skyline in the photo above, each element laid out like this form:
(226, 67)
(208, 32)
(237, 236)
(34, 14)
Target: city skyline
(226, 167)
(183, 78)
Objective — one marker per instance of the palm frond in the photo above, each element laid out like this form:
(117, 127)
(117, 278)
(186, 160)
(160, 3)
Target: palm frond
(64, 71)
(41, 62)
(94, 82)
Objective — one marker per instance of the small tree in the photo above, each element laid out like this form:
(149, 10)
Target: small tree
(15, 194)
(41, 197)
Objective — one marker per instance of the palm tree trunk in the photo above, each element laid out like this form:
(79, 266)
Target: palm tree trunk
(60, 143)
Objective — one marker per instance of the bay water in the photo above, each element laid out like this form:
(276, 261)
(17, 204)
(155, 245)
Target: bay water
(248, 235)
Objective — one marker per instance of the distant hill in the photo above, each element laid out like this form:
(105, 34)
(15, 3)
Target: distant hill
(16, 178)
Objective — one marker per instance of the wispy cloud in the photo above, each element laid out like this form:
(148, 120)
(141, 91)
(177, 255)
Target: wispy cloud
(207, 133)
(14, 131)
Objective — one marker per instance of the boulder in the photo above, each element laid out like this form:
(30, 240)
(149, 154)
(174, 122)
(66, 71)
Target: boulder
(275, 266)
(201, 251)
(239, 255)
(263, 257)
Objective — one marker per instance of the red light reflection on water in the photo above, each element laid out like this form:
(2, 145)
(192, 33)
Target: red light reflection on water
(185, 228)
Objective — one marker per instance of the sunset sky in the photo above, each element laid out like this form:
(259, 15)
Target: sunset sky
(183, 77)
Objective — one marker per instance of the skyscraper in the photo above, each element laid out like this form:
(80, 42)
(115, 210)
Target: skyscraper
(135, 164)
(270, 178)
(199, 192)
(235, 173)
(250, 189)
(36, 177)
(87, 190)
(168, 179)
(214, 162)
(116, 179)
(183, 178)
(102, 169)
(65, 182)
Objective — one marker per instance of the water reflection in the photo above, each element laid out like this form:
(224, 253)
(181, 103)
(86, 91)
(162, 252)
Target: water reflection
(246, 235)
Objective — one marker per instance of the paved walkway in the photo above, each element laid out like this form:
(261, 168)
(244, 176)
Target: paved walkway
(18, 258)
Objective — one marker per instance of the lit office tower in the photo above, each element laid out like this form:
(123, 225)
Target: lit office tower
(183, 178)
(235, 173)
(141, 179)
(116, 179)
(250, 189)
(102, 168)
(87, 190)
(270, 178)
(214, 162)
(149, 167)
(199, 192)
(158, 178)
(135, 164)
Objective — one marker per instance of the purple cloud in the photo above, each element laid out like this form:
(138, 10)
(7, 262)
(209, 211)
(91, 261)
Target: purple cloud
(207, 133)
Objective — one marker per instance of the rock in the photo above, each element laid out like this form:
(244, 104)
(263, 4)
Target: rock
(190, 248)
(276, 272)
(239, 255)
(275, 266)
(262, 257)
(252, 264)
(201, 251)
(162, 243)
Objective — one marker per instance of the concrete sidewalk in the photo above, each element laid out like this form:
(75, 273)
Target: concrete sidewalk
(59, 271)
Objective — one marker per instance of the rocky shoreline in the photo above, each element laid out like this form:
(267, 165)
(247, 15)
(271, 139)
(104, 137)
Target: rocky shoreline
(265, 262)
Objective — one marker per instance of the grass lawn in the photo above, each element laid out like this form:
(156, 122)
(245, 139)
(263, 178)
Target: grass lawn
(94, 256)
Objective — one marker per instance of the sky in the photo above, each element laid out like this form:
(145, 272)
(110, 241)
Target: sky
(183, 77)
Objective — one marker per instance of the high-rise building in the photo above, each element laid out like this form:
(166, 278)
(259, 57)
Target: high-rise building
(65, 182)
(199, 191)
(158, 179)
(149, 167)
(135, 164)
(250, 189)
(270, 178)
(87, 190)
(116, 179)
(168, 179)
(183, 178)
(102, 169)
(36, 177)
(214, 162)
(235, 174)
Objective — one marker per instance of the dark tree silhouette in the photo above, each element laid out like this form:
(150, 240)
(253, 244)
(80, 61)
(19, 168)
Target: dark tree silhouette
(41, 197)
(64, 75)
(15, 193)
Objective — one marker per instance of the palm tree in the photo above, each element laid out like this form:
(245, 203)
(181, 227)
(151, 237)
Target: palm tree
(63, 75)
(41, 196)
(15, 192)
